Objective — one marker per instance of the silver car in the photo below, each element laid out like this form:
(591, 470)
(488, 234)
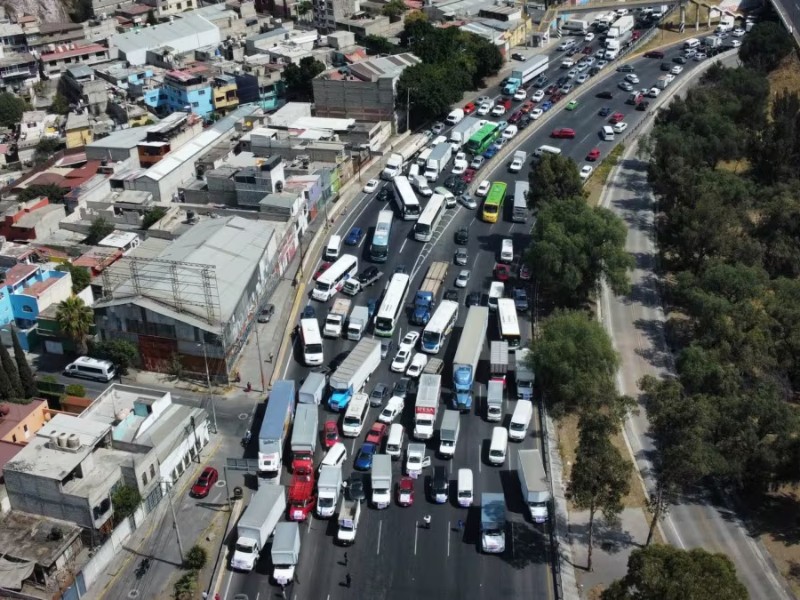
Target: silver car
(461, 256)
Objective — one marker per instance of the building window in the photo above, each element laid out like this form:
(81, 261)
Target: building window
(144, 479)
(27, 309)
(24, 428)
(14, 438)
(195, 104)
(202, 92)
(152, 470)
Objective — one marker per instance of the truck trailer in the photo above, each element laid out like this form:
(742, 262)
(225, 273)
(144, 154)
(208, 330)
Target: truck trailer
(256, 525)
(304, 437)
(427, 405)
(285, 552)
(448, 433)
(526, 72)
(534, 484)
(353, 373)
(275, 426)
(426, 297)
(468, 354)
(459, 135)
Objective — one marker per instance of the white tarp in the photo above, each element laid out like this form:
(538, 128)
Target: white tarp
(12, 574)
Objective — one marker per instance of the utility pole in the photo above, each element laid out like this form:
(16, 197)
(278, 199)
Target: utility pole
(260, 362)
(175, 524)
(210, 394)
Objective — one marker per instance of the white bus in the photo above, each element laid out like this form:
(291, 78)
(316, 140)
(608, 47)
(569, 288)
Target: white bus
(507, 323)
(408, 206)
(379, 249)
(394, 301)
(356, 415)
(520, 213)
(312, 342)
(332, 280)
(439, 327)
(429, 219)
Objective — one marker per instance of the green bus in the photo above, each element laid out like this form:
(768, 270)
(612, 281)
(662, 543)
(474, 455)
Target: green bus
(493, 205)
(479, 142)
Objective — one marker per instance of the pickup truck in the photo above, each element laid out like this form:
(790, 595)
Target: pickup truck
(518, 161)
(365, 279)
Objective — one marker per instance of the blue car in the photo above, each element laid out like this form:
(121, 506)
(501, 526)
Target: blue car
(520, 300)
(363, 460)
(546, 105)
(501, 125)
(308, 313)
(354, 237)
(605, 111)
(372, 304)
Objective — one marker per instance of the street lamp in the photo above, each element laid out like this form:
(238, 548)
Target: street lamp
(208, 383)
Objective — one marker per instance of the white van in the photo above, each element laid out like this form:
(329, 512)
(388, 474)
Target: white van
(333, 248)
(607, 133)
(545, 149)
(335, 456)
(421, 185)
(520, 420)
(466, 491)
(507, 252)
(498, 446)
(455, 116)
(691, 43)
(394, 444)
(355, 415)
(497, 290)
(91, 368)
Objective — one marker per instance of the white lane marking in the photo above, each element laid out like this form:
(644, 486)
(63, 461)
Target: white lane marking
(480, 445)
(405, 241)
(416, 533)
(352, 447)
(380, 528)
(447, 533)
(228, 586)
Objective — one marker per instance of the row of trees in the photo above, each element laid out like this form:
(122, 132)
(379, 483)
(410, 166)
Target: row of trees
(16, 379)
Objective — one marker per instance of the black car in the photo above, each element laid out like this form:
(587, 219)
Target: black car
(379, 394)
(605, 111)
(518, 56)
(462, 236)
(605, 94)
(666, 67)
(459, 188)
(400, 269)
(625, 69)
(562, 81)
(308, 313)
(572, 51)
(643, 106)
(654, 54)
(681, 60)
(355, 488)
(594, 71)
(451, 181)
(451, 295)
(404, 387)
(385, 195)
(473, 299)
(440, 485)
(368, 274)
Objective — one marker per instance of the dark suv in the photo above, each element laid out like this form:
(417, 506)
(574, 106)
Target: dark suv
(440, 485)
(462, 236)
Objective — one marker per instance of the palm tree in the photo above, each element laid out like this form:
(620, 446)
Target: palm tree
(75, 320)
(303, 8)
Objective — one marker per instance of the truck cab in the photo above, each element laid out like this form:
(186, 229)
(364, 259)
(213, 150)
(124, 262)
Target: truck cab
(302, 499)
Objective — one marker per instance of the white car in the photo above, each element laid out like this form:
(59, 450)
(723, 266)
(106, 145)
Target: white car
(536, 113)
(632, 78)
(654, 92)
(735, 43)
(417, 364)
(677, 69)
(520, 95)
(700, 56)
(582, 78)
(498, 110)
(461, 156)
(738, 32)
(670, 77)
(510, 131)
(371, 186)
(401, 360)
(588, 37)
(393, 408)
(485, 109)
(459, 167)
(437, 128)
(620, 127)
(483, 188)
(409, 341)
(586, 171)
(463, 278)
(538, 96)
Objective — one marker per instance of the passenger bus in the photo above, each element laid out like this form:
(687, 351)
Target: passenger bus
(408, 206)
(392, 305)
(439, 327)
(332, 280)
(484, 138)
(520, 213)
(379, 249)
(507, 323)
(493, 205)
(429, 219)
(311, 341)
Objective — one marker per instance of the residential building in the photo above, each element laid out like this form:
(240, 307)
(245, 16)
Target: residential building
(44, 37)
(55, 62)
(364, 90)
(328, 12)
(27, 290)
(31, 220)
(12, 38)
(188, 91)
(18, 71)
(82, 87)
(166, 8)
(224, 89)
(195, 302)
(18, 423)
(183, 34)
(78, 130)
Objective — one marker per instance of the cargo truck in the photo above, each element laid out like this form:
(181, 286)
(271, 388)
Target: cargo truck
(448, 433)
(357, 325)
(313, 389)
(427, 405)
(334, 322)
(663, 81)
(524, 374)
(275, 426)
(493, 523)
(494, 402)
(434, 367)
(256, 525)
(712, 41)
(349, 515)
(576, 26)
(426, 297)
(527, 71)
(285, 552)
(533, 480)
(416, 459)
(620, 27)
(468, 354)
(518, 161)
(353, 373)
(304, 437)
(381, 480)
(393, 167)
(302, 499)
(498, 361)
(354, 285)
(329, 487)
(459, 134)
(437, 161)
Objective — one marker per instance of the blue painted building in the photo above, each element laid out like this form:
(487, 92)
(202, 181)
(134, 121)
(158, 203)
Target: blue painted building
(181, 91)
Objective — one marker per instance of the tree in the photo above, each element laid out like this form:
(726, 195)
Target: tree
(75, 320)
(574, 362)
(298, 78)
(553, 177)
(151, 18)
(394, 10)
(196, 558)
(303, 8)
(75, 389)
(10, 369)
(45, 150)
(29, 388)
(125, 500)
(573, 246)
(600, 477)
(6, 392)
(431, 89)
(11, 109)
(765, 46)
(81, 276)
(60, 104)
(54, 193)
(153, 216)
(666, 572)
(122, 353)
(376, 44)
(99, 229)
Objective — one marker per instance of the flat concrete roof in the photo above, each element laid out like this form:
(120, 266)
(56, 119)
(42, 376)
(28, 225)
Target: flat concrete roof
(26, 536)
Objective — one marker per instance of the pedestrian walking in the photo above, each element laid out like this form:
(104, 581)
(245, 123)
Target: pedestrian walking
(348, 580)
(460, 525)
(427, 520)
(345, 559)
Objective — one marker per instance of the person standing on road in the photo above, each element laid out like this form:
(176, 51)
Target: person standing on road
(427, 520)
(460, 525)
(345, 559)
(348, 580)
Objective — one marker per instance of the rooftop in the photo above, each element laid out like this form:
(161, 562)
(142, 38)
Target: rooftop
(11, 414)
(118, 239)
(375, 68)
(124, 139)
(77, 51)
(80, 71)
(28, 537)
(19, 273)
(188, 26)
(77, 121)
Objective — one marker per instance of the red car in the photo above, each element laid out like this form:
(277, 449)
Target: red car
(563, 133)
(515, 117)
(587, 50)
(468, 175)
(330, 434)
(376, 434)
(654, 54)
(617, 117)
(525, 272)
(469, 108)
(593, 155)
(506, 102)
(405, 491)
(322, 268)
(527, 107)
(205, 482)
(551, 89)
(502, 272)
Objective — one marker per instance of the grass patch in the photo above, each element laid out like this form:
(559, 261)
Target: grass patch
(594, 187)
(737, 167)
(785, 77)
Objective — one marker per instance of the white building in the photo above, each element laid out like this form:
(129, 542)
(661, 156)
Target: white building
(183, 34)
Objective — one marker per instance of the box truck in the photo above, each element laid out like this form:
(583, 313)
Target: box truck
(256, 525)
(498, 361)
(285, 552)
(459, 135)
(437, 161)
(381, 480)
(533, 481)
(313, 389)
(349, 515)
(353, 373)
(493, 523)
(304, 437)
(357, 325)
(275, 426)
(427, 405)
(329, 487)
(336, 318)
(448, 433)
(494, 401)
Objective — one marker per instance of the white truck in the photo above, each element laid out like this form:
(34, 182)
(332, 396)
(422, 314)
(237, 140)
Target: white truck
(518, 161)
(329, 487)
(357, 325)
(493, 523)
(533, 480)
(313, 389)
(712, 41)
(304, 437)
(726, 24)
(460, 134)
(354, 285)
(353, 373)
(437, 161)
(381, 480)
(275, 426)
(427, 405)
(416, 459)
(576, 26)
(421, 185)
(285, 552)
(349, 515)
(393, 167)
(334, 322)
(448, 433)
(494, 401)
(256, 525)
(662, 82)
(524, 374)
(498, 361)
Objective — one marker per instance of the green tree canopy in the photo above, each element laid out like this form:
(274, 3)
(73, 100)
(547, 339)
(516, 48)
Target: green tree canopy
(553, 177)
(122, 353)
(394, 9)
(45, 150)
(430, 89)
(11, 109)
(55, 194)
(298, 78)
(81, 276)
(767, 44)
(29, 388)
(75, 320)
(376, 44)
(99, 229)
(60, 104)
(10, 369)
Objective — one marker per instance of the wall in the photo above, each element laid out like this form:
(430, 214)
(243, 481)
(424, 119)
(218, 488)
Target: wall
(79, 137)
(356, 99)
(30, 424)
(29, 493)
